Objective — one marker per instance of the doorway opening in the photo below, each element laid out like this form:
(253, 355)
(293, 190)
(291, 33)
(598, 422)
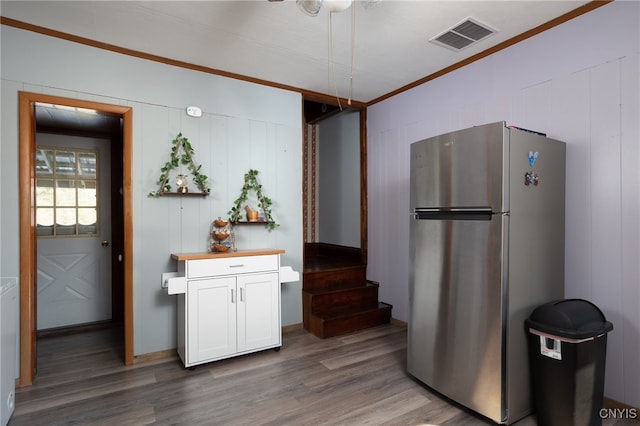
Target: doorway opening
(335, 175)
(37, 116)
(337, 298)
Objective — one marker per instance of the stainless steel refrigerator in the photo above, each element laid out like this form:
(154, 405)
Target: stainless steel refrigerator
(487, 247)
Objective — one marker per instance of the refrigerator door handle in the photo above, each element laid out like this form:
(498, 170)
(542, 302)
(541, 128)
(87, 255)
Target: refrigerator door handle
(452, 213)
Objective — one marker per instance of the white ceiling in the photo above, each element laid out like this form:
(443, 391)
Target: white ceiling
(276, 42)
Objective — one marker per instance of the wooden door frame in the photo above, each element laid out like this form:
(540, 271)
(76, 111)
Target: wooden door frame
(28, 245)
(364, 186)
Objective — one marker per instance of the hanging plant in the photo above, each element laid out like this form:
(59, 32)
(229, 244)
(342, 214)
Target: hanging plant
(184, 157)
(264, 203)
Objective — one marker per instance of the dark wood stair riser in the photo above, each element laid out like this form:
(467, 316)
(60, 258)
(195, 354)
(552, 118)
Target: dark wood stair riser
(335, 278)
(358, 298)
(328, 326)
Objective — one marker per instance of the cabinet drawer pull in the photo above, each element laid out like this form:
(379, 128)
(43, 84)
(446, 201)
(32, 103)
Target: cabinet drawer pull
(237, 266)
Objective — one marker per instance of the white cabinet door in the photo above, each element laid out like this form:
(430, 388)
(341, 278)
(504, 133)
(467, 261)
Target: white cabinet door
(258, 311)
(211, 322)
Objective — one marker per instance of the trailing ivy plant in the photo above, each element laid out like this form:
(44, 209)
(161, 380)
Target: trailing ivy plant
(264, 203)
(184, 158)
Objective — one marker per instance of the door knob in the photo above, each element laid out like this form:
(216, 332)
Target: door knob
(105, 243)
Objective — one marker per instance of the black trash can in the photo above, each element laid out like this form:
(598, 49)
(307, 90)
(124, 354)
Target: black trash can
(567, 351)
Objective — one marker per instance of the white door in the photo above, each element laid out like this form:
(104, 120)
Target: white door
(258, 311)
(211, 318)
(73, 206)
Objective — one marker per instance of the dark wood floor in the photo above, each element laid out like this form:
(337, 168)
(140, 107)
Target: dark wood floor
(354, 379)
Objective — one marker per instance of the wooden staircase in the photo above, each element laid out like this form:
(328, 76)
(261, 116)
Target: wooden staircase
(336, 296)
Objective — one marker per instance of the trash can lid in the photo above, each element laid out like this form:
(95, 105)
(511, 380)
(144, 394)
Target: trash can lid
(570, 318)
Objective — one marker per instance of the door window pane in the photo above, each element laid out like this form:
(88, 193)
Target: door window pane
(44, 162)
(87, 193)
(44, 193)
(66, 192)
(44, 221)
(87, 221)
(87, 165)
(65, 163)
(66, 216)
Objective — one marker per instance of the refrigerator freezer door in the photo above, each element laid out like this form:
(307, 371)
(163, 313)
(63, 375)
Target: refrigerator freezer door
(459, 169)
(456, 317)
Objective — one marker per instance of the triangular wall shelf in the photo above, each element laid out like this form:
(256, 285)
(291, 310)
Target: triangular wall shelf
(181, 143)
(264, 203)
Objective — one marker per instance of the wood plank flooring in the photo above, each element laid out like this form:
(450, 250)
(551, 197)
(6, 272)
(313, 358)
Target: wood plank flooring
(353, 379)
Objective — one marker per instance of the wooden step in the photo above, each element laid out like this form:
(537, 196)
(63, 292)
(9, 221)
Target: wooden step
(343, 321)
(323, 255)
(352, 276)
(360, 297)
(363, 296)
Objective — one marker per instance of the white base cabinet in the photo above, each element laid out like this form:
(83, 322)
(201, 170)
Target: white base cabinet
(230, 306)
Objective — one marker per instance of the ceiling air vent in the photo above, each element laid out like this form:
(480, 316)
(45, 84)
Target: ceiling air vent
(463, 34)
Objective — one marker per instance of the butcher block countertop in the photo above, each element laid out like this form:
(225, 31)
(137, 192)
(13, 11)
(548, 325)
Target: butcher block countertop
(207, 255)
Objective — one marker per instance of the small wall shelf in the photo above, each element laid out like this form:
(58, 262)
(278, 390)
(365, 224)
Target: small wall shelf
(182, 194)
(181, 153)
(246, 222)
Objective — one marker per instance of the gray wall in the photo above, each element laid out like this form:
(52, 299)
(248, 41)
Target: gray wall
(578, 83)
(244, 126)
(339, 180)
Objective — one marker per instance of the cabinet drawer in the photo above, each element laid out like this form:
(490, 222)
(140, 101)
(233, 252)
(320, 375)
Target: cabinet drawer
(231, 265)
